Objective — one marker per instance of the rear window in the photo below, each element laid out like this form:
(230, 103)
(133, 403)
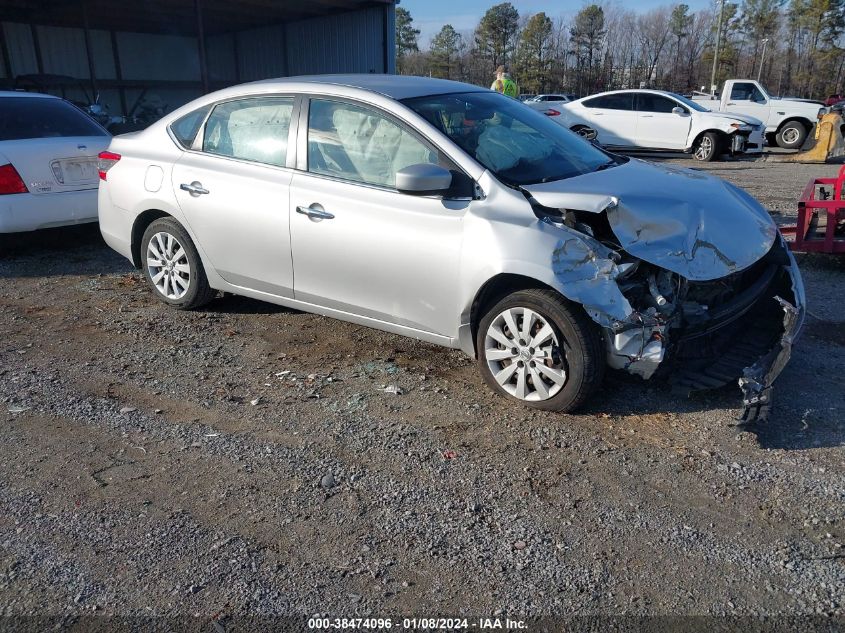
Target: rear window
(185, 128)
(33, 117)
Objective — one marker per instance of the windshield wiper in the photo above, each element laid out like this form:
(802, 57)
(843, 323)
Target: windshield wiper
(607, 165)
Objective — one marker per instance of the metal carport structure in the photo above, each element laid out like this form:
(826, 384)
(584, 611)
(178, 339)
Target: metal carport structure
(183, 48)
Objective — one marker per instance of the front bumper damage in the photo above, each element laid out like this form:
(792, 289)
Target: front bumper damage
(749, 340)
(686, 275)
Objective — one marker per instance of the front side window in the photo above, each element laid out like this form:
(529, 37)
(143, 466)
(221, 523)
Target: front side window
(619, 101)
(36, 117)
(518, 144)
(648, 102)
(747, 92)
(254, 129)
(357, 143)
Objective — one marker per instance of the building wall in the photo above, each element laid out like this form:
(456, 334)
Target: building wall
(359, 41)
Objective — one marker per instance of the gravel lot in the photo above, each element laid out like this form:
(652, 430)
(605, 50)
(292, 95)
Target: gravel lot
(251, 460)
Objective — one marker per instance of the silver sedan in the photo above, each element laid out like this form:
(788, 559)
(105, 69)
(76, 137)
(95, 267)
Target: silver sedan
(455, 215)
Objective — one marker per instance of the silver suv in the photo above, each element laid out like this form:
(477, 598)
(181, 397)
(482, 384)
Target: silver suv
(455, 215)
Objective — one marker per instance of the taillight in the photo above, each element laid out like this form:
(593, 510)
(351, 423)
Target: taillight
(11, 181)
(105, 161)
(552, 112)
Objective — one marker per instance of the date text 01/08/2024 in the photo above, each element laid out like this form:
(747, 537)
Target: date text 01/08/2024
(424, 624)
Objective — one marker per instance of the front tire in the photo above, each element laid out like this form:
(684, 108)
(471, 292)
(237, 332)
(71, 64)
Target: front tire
(708, 147)
(172, 266)
(792, 135)
(536, 348)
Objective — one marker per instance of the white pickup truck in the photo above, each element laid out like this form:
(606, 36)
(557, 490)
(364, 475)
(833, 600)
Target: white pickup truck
(787, 121)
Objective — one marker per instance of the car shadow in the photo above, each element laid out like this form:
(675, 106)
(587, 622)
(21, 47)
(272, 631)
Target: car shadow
(631, 395)
(227, 303)
(72, 250)
(792, 430)
(787, 428)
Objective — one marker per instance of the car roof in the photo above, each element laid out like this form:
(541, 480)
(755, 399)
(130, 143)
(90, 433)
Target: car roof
(665, 93)
(393, 86)
(21, 93)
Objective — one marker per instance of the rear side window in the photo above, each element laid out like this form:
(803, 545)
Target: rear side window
(623, 101)
(34, 117)
(185, 128)
(254, 129)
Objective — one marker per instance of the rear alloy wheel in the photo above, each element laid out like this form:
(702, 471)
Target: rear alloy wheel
(172, 266)
(587, 132)
(538, 349)
(792, 135)
(707, 148)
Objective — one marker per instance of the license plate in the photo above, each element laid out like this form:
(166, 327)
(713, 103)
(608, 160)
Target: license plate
(74, 171)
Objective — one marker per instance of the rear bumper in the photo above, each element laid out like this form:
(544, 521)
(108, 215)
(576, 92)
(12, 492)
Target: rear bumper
(30, 212)
(115, 224)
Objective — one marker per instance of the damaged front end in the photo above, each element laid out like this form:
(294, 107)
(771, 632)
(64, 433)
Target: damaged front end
(703, 335)
(688, 277)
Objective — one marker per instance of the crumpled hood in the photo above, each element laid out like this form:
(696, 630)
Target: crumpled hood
(685, 221)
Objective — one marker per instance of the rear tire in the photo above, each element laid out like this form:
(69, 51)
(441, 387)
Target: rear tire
(538, 349)
(792, 135)
(172, 266)
(708, 148)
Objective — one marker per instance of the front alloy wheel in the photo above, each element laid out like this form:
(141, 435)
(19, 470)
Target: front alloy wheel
(707, 148)
(523, 354)
(541, 350)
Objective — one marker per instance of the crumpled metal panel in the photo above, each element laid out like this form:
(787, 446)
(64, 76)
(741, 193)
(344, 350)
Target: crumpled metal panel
(585, 268)
(756, 381)
(685, 221)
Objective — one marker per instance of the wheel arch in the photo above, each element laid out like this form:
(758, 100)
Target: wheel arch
(492, 291)
(142, 221)
(723, 136)
(800, 119)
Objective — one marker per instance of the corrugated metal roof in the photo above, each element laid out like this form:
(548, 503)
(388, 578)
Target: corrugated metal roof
(175, 16)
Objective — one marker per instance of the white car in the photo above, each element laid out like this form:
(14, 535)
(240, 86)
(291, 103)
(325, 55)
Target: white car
(48, 162)
(548, 104)
(659, 120)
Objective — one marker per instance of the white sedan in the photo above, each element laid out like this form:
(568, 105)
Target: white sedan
(48, 162)
(548, 104)
(659, 120)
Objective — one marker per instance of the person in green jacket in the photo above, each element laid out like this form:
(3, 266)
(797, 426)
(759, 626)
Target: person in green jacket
(504, 83)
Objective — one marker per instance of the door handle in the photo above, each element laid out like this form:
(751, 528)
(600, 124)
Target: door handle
(195, 188)
(315, 214)
(731, 103)
(647, 116)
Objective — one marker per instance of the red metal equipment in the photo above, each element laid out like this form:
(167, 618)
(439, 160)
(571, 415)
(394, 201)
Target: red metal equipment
(821, 217)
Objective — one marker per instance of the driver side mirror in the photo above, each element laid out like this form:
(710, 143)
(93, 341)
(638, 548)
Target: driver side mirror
(423, 179)
(679, 111)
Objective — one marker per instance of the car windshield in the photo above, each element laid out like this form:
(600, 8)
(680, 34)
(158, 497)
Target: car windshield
(518, 144)
(690, 103)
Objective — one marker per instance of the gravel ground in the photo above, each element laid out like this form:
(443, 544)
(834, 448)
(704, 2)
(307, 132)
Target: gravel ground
(253, 460)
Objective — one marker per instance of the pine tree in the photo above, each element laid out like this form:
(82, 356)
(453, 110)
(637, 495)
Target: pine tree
(445, 47)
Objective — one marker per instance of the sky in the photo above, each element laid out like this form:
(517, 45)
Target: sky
(430, 15)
